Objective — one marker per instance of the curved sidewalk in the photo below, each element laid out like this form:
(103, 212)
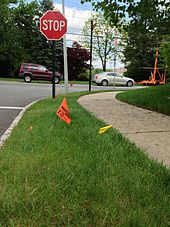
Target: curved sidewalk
(147, 129)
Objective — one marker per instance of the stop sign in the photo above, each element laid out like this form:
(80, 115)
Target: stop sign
(53, 25)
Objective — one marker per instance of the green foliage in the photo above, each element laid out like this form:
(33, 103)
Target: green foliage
(145, 32)
(165, 55)
(120, 11)
(134, 71)
(114, 11)
(21, 40)
(46, 5)
(10, 39)
(97, 70)
(83, 77)
(25, 15)
(145, 24)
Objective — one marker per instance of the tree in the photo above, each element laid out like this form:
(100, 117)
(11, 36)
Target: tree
(117, 12)
(103, 38)
(77, 60)
(24, 19)
(145, 28)
(17, 29)
(10, 38)
(165, 54)
(21, 40)
(46, 5)
(145, 33)
(39, 49)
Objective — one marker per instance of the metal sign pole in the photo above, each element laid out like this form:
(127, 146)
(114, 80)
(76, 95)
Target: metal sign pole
(53, 78)
(91, 43)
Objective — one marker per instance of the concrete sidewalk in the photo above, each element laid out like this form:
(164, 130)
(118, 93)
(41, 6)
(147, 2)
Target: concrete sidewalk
(147, 129)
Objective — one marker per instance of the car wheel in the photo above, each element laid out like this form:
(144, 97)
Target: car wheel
(27, 78)
(57, 80)
(104, 83)
(129, 83)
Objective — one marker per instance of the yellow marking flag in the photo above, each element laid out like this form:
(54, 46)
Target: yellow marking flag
(104, 129)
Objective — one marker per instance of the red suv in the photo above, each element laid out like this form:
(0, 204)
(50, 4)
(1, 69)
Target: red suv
(30, 71)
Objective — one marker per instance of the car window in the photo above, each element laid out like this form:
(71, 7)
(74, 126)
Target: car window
(25, 66)
(118, 75)
(33, 67)
(42, 68)
(110, 74)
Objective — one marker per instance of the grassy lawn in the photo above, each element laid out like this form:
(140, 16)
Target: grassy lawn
(54, 174)
(154, 98)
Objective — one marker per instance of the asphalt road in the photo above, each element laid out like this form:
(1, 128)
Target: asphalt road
(15, 96)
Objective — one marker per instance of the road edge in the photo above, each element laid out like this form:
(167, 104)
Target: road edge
(8, 132)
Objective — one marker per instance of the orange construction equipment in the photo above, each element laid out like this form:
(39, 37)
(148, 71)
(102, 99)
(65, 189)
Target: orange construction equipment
(158, 75)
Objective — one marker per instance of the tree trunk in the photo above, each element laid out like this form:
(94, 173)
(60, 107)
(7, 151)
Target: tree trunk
(104, 65)
(105, 51)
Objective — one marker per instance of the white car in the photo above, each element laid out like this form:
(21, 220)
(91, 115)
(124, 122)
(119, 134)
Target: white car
(109, 78)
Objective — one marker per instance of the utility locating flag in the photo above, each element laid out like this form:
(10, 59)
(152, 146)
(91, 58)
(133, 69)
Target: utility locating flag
(104, 129)
(63, 112)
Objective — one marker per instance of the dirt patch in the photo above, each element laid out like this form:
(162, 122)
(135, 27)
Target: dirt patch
(147, 129)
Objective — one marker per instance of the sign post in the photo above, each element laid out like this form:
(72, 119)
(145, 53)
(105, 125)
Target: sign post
(53, 78)
(53, 25)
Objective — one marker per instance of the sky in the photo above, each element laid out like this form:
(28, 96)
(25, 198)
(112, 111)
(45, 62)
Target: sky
(77, 14)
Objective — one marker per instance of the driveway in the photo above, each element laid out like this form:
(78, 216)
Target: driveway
(147, 129)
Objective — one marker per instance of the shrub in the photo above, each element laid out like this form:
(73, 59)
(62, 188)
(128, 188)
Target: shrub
(83, 76)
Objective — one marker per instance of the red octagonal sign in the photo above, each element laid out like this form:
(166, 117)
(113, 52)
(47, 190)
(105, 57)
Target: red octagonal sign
(53, 25)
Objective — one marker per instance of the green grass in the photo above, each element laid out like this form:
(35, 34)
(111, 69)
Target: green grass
(70, 175)
(154, 98)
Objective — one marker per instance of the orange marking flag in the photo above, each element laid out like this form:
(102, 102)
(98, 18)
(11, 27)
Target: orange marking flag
(63, 112)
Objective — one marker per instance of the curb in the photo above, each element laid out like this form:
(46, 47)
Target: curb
(8, 132)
